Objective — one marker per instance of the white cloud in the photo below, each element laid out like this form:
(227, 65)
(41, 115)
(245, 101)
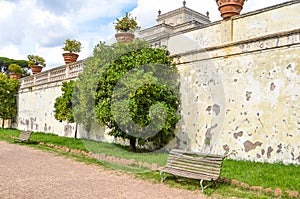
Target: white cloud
(95, 9)
(259, 4)
(147, 11)
(6, 9)
(11, 51)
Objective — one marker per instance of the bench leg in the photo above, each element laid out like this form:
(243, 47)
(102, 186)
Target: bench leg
(201, 184)
(161, 177)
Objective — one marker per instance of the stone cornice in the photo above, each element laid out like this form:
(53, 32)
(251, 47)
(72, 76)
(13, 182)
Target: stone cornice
(181, 11)
(156, 27)
(163, 33)
(267, 42)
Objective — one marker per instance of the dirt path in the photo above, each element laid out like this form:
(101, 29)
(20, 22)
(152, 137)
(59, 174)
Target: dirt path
(28, 173)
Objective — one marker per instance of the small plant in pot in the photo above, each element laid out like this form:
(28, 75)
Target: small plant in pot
(36, 63)
(15, 71)
(72, 47)
(230, 8)
(125, 28)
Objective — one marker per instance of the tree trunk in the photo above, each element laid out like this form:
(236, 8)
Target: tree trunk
(76, 126)
(132, 142)
(11, 121)
(2, 123)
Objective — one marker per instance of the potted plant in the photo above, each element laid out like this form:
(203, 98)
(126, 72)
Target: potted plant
(229, 8)
(15, 71)
(72, 47)
(125, 28)
(36, 63)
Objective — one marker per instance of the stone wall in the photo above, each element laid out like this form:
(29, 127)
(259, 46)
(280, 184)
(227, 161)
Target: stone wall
(36, 106)
(36, 111)
(239, 88)
(36, 100)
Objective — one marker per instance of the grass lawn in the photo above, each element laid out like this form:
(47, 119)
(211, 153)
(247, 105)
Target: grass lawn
(285, 177)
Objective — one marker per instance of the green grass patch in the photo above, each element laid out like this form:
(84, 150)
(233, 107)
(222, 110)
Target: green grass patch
(57, 140)
(220, 191)
(124, 152)
(7, 134)
(86, 145)
(278, 175)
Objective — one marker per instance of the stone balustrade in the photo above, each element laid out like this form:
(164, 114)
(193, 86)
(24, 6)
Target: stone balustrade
(58, 74)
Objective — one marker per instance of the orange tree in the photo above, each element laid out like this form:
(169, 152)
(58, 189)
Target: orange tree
(132, 89)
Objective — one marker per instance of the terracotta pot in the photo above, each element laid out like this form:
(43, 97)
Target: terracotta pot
(70, 57)
(36, 69)
(229, 8)
(14, 76)
(124, 36)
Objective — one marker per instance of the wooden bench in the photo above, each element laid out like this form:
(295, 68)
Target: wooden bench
(24, 136)
(193, 165)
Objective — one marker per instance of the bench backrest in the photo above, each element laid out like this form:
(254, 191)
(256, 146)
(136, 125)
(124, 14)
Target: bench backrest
(208, 165)
(25, 135)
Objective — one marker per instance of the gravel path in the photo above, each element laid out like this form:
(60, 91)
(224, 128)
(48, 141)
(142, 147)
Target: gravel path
(29, 173)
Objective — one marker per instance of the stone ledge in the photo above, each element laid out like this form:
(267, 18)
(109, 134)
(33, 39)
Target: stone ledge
(276, 192)
(104, 157)
(292, 194)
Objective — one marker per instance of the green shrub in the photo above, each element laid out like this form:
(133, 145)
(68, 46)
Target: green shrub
(15, 68)
(36, 60)
(72, 46)
(126, 24)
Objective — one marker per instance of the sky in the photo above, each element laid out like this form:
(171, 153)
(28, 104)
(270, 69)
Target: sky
(40, 27)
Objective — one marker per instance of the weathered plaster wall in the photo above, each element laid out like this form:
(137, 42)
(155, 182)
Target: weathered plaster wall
(274, 20)
(36, 108)
(36, 113)
(242, 98)
(243, 106)
(36, 100)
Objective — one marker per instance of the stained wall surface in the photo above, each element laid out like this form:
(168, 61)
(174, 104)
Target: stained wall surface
(36, 111)
(240, 86)
(36, 100)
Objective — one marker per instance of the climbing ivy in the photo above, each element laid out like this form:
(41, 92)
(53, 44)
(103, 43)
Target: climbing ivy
(63, 105)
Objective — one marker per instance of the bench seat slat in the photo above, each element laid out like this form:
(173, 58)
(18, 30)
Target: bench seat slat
(194, 167)
(213, 170)
(197, 164)
(188, 174)
(200, 160)
(198, 156)
(196, 153)
(195, 171)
